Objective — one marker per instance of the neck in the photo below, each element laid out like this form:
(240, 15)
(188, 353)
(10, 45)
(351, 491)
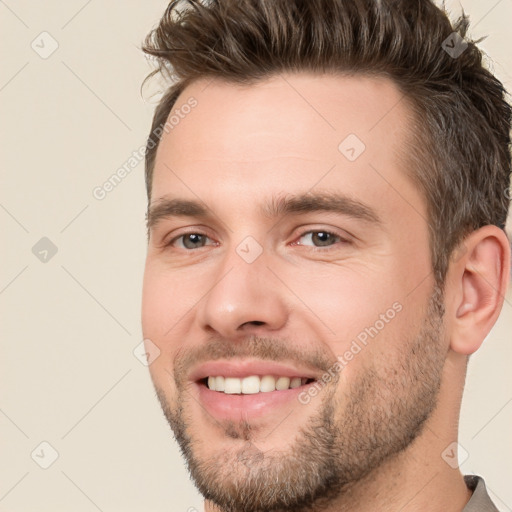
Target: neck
(417, 479)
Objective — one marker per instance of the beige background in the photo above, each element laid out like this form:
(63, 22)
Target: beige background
(68, 374)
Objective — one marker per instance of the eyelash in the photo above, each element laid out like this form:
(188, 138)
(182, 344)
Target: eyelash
(339, 238)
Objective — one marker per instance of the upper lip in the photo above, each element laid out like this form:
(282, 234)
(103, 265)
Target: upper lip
(246, 368)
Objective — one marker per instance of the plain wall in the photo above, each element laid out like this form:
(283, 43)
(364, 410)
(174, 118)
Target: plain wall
(68, 374)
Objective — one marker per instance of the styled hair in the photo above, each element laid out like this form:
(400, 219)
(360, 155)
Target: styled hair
(459, 150)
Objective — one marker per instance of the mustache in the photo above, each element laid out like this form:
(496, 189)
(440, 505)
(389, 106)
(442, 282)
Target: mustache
(257, 347)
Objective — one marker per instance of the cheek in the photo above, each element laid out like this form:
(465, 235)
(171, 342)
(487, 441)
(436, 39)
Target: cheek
(155, 306)
(167, 297)
(168, 304)
(363, 314)
(159, 313)
(347, 299)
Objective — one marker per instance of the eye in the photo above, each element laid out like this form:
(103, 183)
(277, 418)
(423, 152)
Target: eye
(190, 241)
(319, 238)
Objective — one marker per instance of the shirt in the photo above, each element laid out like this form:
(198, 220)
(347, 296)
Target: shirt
(480, 501)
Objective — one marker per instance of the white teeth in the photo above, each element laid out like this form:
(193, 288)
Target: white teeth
(295, 382)
(267, 383)
(219, 383)
(232, 385)
(253, 384)
(282, 383)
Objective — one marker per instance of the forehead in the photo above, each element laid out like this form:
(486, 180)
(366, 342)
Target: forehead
(295, 108)
(292, 131)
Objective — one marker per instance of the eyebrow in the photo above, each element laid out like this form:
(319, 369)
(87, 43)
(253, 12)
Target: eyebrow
(277, 206)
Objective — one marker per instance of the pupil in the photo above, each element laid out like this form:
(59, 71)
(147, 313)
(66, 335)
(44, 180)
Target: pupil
(192, 241)
(322, 238)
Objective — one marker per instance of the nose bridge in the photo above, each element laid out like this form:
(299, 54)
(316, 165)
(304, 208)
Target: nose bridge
(243, 291)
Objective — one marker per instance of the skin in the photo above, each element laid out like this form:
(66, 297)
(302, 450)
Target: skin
(242, 145)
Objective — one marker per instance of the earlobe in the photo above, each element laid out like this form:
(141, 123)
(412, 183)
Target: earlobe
(481, 279)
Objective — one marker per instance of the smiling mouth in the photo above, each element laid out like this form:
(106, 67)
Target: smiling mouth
(253, 384)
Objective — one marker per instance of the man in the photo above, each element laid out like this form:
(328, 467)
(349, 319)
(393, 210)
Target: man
(327, 185)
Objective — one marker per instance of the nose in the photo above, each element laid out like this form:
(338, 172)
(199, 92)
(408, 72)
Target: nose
(244, 298)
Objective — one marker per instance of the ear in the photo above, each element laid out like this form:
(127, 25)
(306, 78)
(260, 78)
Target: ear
(478, 281)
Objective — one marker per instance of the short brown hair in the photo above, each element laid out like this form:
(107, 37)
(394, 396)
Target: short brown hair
(462, 145)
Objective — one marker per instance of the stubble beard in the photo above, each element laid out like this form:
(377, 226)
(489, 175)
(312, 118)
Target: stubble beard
(354, 431)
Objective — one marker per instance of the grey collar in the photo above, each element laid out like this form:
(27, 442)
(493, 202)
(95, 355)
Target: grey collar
(480, 501)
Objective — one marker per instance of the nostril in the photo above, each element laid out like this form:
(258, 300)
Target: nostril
(255, 322)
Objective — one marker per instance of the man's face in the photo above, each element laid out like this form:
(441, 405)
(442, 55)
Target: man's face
(289, 248)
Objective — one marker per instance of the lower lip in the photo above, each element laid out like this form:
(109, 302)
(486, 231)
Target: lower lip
(236, 407)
